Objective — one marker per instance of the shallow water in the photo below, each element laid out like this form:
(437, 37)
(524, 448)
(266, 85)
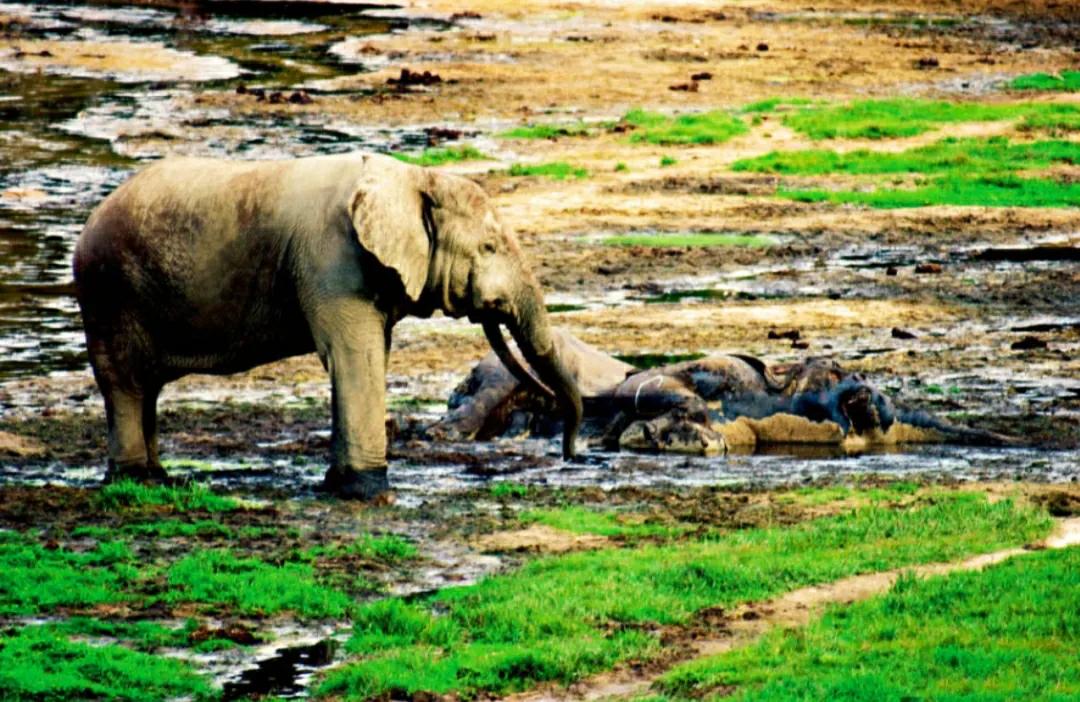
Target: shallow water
(70, 135)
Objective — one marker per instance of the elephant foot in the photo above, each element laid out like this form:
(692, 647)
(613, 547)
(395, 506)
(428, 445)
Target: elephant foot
(347, 483)
(138, 472)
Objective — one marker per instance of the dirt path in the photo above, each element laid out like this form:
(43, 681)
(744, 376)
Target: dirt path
(746, 623)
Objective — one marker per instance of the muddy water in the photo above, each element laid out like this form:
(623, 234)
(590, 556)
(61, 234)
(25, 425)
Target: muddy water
(71, 130)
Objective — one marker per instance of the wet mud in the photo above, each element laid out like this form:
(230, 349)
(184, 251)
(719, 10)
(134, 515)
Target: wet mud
(938, 304)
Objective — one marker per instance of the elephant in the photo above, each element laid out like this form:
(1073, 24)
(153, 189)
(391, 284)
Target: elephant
(705, 406)
(216, 266)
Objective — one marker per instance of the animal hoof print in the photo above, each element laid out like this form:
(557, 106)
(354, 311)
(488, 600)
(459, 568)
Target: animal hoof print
(369, 485)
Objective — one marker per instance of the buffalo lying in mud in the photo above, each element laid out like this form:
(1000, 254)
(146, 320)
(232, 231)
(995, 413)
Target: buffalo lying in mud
(706, 406)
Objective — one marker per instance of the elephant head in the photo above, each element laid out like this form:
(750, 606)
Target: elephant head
(440, 235)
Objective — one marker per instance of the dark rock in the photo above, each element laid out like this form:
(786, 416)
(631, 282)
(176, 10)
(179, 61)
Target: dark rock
(927, 63)
(801, 345)
(409, 78)
(691, 87)
(898, 333)
(276, 98)
(762, 47)
(792, 334)
(891, 270)
(1028, 343)
(704, 75)
(241, 89)
(466, 15)
(928, 268)
(300, 97)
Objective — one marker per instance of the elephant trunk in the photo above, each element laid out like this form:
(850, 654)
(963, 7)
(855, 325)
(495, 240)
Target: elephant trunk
(532, 332)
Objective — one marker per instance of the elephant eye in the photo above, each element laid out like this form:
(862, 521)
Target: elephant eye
(488, 247)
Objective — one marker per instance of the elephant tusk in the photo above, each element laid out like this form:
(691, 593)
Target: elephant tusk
(498, 344)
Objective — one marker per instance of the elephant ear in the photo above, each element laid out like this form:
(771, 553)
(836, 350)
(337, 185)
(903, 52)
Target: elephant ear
(390, 213)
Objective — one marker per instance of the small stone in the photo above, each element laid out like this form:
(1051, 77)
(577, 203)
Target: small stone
(1028, 343)
(898, 333)
(928, 268)
(762, 47)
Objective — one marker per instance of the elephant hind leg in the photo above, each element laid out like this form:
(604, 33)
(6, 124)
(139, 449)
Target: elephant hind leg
(130, 416)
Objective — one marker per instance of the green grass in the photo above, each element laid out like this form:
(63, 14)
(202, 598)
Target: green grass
(37, 579)
(439, 157)
(904, 117)
(580, 520)
(41, 664)
(956, 156)
(698, 128)
(770, 104)
(696, 239)
(556, 170)
(1052, 123)
(167, 529)
(1010, 632)
(547, 131)
(509, 490)
(251, 586)
(666, 161)
(998, 191)
(390, 548)
(141, 635)
(1066, 81)
(560, 618)
(191, 497)
(817, 496)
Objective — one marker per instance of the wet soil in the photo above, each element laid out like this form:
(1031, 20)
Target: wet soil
(90, 91)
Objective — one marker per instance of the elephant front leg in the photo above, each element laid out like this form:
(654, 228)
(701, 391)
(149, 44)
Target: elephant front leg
(354, 352)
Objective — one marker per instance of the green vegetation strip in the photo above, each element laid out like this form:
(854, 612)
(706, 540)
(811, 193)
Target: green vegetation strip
(580, 520)
(561, 618)
(957, 156)
(973, 172)
(40, 663)
(547, 131)
(556, 170)
(439, 157)
(1010, 632)
(904, 117)
(1066, 81)
(697, 128)
(191, 497)
(1004, 191)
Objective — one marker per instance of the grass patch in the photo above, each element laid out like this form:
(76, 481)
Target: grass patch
(38, 579)
(771, 104)
(904, 117)
(666, 161)
(547, 131)
(560, 618)
(579, 520)
(1007, 633)
(141, 635)
(167, 529)
(440, 157)
(817, 496)
(1066, 81)
(185, 498)
(994, 191)
(41, 664)
(556, 170)
(955, 156)
(505, 490)
(390, 548)
(251, 586)
(699, 128)
(695, 240)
